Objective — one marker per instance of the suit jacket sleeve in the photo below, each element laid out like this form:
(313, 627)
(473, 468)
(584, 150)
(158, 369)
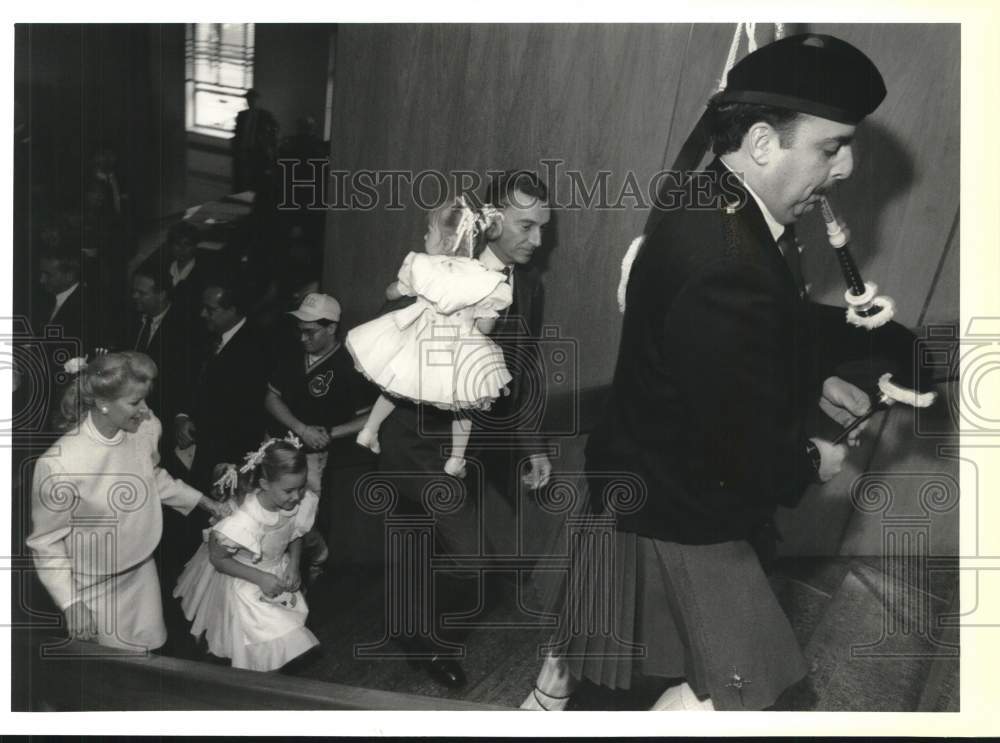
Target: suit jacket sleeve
(741, 379)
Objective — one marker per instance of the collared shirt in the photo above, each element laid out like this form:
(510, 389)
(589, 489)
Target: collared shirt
(61, 298)
(110, 179)
(228, 335)
(155, 321)
(489, 259)
(776, 228)
(177, 275)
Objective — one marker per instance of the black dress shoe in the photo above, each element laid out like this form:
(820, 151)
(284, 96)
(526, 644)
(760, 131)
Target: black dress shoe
(442, 670)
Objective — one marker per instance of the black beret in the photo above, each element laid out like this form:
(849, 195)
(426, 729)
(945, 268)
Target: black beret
(809, 73)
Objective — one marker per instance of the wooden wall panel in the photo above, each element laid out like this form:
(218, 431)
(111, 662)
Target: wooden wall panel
(943, 303)
(494, 97)
(622, 98)
(290, 70)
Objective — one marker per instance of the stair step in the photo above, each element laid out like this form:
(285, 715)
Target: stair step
(874, 647)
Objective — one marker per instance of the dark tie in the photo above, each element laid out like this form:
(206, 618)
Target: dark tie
(789, 247)
(142, 342)
(508, 272)
(214, 345)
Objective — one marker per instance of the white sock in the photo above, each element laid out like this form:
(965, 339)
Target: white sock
(681, 698)
(553, 688)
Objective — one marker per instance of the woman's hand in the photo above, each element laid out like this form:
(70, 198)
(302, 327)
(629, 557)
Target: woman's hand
(271, 585)
(80, 623)
(217, 510)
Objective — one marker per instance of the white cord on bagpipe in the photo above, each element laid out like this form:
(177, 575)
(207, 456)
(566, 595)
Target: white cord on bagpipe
(734, 47)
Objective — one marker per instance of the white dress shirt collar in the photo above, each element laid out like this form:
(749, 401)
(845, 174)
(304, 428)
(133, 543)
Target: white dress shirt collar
(489, 259)
(177, 275)
(773, 224)
(156, 320)
(228, 335)
(61, 298)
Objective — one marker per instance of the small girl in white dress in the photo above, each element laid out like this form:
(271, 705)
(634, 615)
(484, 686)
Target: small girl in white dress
(242, 588)
(435, 351)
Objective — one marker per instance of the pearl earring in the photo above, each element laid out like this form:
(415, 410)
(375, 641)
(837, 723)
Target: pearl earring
(104, 409)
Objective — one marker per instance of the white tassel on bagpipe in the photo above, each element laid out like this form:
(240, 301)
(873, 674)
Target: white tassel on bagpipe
(895, 393)
(627, 262)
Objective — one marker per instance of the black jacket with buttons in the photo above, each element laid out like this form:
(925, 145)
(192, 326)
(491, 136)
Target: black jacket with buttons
(715, 373)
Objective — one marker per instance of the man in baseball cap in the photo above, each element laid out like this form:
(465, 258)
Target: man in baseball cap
(318, 395)
(317, 307)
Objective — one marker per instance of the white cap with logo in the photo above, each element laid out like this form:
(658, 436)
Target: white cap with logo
(317, 307)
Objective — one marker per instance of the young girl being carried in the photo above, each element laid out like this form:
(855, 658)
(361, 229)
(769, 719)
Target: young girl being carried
(435, 351)
(242, 588)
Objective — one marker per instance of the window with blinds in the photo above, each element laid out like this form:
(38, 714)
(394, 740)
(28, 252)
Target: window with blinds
(219, 60)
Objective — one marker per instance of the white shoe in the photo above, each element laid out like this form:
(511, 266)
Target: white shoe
(538, 700)
(455, 466)
(368, 439)
(681, 698)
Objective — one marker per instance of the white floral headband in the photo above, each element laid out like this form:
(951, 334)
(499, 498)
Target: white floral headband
(230, 478)
(474, 222)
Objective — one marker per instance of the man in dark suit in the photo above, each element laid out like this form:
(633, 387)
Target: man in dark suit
(412, 437)
(715, 384)
(223, 414)
(165, 334)
(62, 302)
(255, 146)
(515, 418)
(185, 268)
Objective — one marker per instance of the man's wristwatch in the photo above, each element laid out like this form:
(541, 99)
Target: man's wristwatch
(814, 456)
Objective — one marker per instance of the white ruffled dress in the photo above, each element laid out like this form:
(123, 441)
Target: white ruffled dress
(239, 622)
(431, 351)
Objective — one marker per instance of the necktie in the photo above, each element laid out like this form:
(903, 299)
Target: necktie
(789, 247)
(213, 350)
(142, 342)
(508, 271)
